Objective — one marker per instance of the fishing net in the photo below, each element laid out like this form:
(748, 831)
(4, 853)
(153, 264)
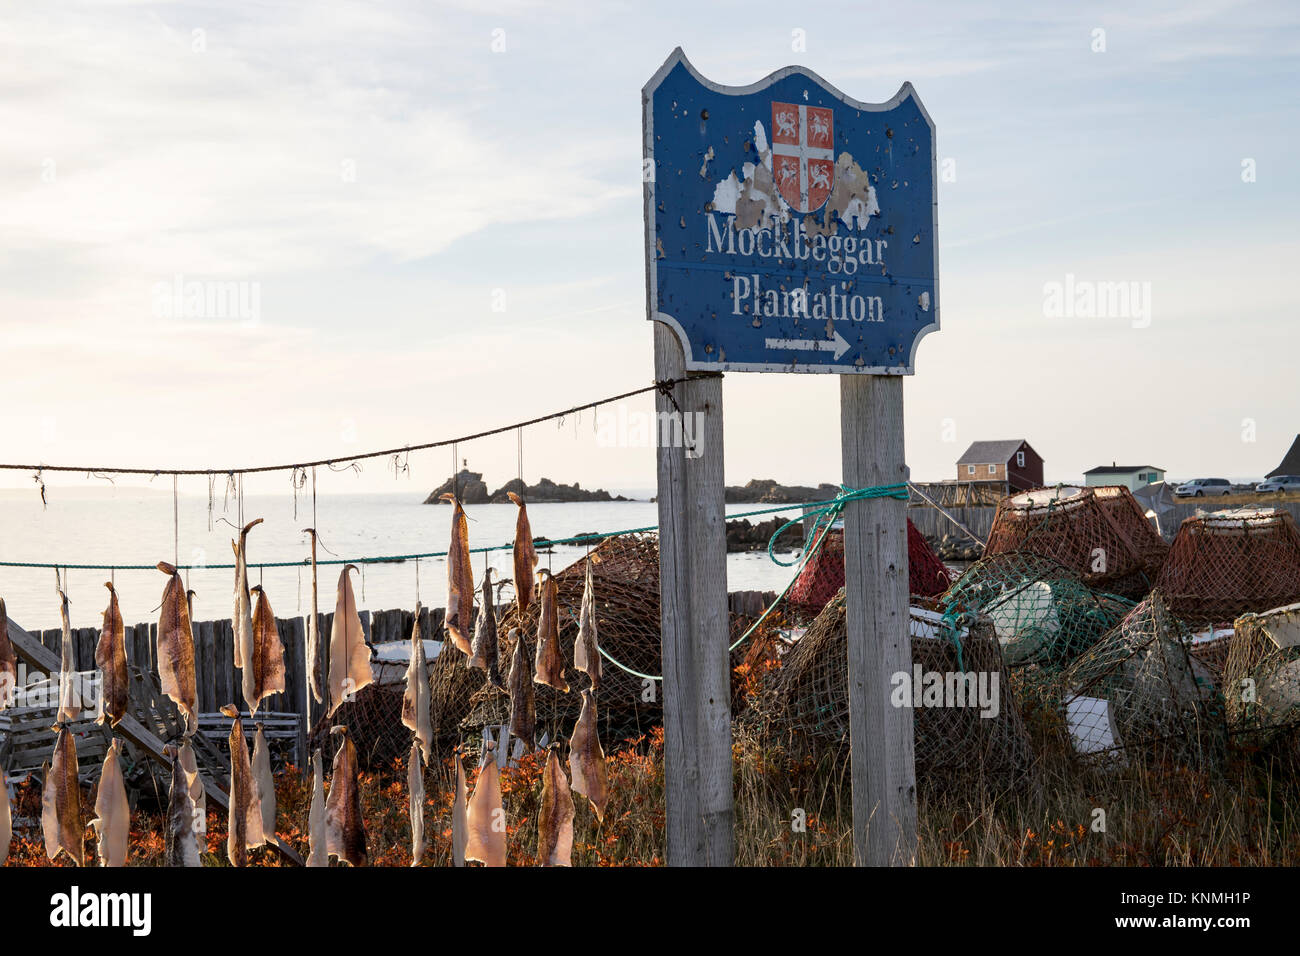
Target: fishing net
(374, 722)
(1140, 692)
(1228, 563)
(1041, 611)
(805, 702)
(1261, 684)
(1099, 533)
(822, 575)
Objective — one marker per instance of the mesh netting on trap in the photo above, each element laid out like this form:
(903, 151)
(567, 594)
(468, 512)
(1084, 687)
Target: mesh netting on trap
(1261, 684)
(625, 582)
(1041, 612)
(822, 575)
(1099, 533)
(1140, 691)
(805, 701)
(1228, 563)
(374, 721)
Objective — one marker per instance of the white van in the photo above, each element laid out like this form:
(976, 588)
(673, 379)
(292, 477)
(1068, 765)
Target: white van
(1200, 487)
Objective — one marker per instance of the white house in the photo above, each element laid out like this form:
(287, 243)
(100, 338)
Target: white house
(1132, 477)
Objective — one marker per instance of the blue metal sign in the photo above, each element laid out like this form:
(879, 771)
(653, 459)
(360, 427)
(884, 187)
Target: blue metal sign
(789, 228)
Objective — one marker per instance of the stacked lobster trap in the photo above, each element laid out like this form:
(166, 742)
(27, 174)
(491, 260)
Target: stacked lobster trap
(972, 734)
(1261, 679)
(1224, 564)
(1140, 691)
(1101, 534)
(822, 574)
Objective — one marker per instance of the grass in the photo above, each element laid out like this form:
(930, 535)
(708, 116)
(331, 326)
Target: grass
(792, 812)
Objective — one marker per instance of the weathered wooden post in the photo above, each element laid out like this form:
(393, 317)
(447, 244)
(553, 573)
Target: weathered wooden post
(789, 228)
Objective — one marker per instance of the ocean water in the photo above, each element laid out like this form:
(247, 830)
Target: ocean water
(128, 526)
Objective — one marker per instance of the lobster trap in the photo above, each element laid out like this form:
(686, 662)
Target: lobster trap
(967, 728)
(822, 575)
(1227, 563)
(1140, 692)
(1101, 534)
(1261, 685)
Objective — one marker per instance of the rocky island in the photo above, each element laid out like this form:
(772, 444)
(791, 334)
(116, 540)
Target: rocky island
(473, 490)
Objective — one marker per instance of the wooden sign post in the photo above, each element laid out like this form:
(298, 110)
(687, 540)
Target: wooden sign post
(789, 228)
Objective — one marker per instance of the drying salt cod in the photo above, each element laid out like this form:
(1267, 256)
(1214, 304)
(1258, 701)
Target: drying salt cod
(6, 817)
(112, 821)
(265, 781)
(555, 821)
(69, 697)
(525, 556)
(176, 648)
(587, 759)
(415, 792)
(549, 665)
(586, 652)
(417, 699)
(245, 813)
(8, 662)
(484, 651)
(485, 819)
(242, 622)
(264, 673)
(61, 823)
(315, 662)
(198, 798)
(460, 579)
(523, 696)
(345, 832)
(349, 656)
(459, 823)
(110, 658)
(185, 818)
(317, 854)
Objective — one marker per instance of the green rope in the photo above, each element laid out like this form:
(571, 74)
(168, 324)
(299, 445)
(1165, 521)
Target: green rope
(818, 506)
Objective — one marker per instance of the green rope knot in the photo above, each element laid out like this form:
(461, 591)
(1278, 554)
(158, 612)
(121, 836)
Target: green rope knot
(830, 511)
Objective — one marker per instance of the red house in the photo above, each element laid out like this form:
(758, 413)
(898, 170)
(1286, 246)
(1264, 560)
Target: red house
(1012, 461)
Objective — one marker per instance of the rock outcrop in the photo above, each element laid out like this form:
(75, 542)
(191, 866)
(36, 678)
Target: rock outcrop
(474, 491)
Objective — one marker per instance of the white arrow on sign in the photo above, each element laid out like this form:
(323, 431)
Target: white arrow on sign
(839, 344)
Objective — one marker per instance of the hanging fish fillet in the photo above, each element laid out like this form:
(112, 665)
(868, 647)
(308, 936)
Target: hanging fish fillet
(265, 781)
(523, 696)
(485, 650)
(417, 699)
(460, 579)
(415, 792)
(264, 674)
(345, 831)
(315, 664)
(459, 824)
(8, 662)
(586, 651)
(176, 649)
(245, 812)
(181, 846)
(587, 759)
(484, 817)
(555, 820)
(61, 802)
(525, 555)
(110, 658)
(349, 655)
(548, 668)
(198, 798)
(112, 821)
(317, 854)
(242, 622)
(69, 685)
(6, 812)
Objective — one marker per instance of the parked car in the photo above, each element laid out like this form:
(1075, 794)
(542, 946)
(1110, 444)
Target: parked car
(1200, 487)
(1279, 484)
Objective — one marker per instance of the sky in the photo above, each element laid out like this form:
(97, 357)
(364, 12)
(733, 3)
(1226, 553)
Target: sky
(433, 213)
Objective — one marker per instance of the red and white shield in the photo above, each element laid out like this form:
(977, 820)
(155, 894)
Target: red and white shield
(803, 155)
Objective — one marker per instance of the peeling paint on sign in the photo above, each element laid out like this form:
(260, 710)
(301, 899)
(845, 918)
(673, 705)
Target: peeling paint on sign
(808, 237)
